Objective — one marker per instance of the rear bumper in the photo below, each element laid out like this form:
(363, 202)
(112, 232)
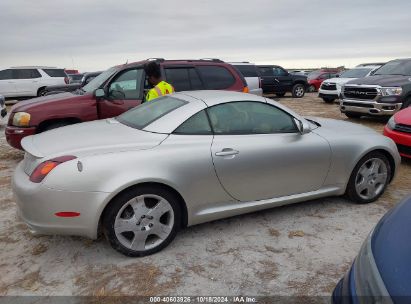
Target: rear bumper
(38, 205)
(403, 141)
(370, 107)
(14, 135)
(258, 92)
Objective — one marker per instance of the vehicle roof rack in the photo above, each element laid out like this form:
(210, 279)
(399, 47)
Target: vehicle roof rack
(155, 59)
(212, 59)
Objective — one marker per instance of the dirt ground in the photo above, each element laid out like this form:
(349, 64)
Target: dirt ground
(301, 249)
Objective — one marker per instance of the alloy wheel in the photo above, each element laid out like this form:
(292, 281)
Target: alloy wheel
(371, 178)
(144, 222)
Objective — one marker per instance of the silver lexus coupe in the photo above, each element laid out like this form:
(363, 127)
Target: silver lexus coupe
(190, 158)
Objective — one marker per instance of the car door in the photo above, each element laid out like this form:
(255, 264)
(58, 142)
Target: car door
(267, 79)
(283, 79)
(7, 83)
(123, 92)
(258, 152)
(27, 81)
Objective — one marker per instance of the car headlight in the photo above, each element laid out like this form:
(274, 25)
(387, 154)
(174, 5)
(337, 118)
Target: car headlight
(395, 91)
(369, 285)
(21, 119)
(391, 123)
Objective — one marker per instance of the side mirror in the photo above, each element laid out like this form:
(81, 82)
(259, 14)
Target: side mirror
(99, 93)
(303, 126)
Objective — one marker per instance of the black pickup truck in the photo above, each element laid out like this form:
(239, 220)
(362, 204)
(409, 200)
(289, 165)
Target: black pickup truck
(384, 93)
(277, 80)
(71, 87)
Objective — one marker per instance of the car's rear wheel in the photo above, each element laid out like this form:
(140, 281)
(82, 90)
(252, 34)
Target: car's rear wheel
(41, 92)
(328, 99)
(280, 94)
(142, 221)
(353, 115)
(311, 88)
(298, 90)
(369, 179)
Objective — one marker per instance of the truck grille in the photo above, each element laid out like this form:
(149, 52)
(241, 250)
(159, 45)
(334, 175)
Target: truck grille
(360, 93)
(329, 86)
(403, 128)
(404, 149)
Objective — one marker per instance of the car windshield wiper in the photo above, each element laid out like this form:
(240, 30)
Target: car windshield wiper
(314, 122)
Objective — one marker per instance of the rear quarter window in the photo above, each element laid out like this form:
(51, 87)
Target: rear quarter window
(247, 70)
(55, 72)
(216, 77)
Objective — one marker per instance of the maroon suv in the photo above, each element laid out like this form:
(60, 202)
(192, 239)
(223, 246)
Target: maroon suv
(124, 88)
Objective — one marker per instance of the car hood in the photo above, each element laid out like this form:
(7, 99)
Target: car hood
(331, 127)
(25, 105)
(338, 80)
(391, 248)
(96, 137)
(382, 80)
(403, 116)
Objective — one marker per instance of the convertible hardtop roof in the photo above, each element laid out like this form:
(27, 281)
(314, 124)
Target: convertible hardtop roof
(214, 97)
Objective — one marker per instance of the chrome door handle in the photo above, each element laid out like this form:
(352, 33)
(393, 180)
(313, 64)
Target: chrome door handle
(227, 152)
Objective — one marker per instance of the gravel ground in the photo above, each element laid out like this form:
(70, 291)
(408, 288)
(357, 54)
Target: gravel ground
(301, 249)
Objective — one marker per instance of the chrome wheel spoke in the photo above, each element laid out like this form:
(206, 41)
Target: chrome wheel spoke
(161, 208)
(381, 178)
(139, 206)
(125, 225)
(371, 178)
(162, 231)
(139, 240)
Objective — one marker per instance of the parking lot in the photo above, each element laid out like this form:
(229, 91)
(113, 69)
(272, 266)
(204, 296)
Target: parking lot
(301, 249)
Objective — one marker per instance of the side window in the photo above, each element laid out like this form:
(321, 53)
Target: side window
(195, 80)
(249, 117)
(266, 71)
(216, 77)
(196, 125)
(6, 74)
(324, 76)
(126, 85)
(26, 74)
(178, 78)
(279, 72)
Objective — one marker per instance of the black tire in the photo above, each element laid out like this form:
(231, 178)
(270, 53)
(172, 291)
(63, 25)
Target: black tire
(328, 99)
(298, 90)
(311, 89)
(353, 115)
(117, 204)
(55, 125)
(41, 92)
(351, 191)
(407, 103)
(280, 94)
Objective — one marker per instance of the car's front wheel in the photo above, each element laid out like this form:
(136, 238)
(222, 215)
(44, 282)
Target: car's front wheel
(298, 90)
(328, 99)
(142, 221)
(369, 179)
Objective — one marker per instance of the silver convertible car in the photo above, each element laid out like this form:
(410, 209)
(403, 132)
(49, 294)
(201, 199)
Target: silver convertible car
(190, 158)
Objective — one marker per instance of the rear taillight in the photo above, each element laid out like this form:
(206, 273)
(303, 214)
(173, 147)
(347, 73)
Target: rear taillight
(45, 168)
(66, 80)
(246, 90)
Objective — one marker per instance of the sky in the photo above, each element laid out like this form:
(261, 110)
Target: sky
(92, 35)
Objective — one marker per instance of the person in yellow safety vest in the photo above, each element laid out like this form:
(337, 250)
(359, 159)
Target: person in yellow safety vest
(160, 87)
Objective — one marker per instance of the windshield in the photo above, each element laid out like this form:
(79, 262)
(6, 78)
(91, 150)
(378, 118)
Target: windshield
(314, 75)
(99, 80)
(145, 114)
(356, 73)
(395, 68)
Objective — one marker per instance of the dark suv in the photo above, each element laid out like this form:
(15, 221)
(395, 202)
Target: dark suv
(277, 80)
(124, 87)
(384, 93)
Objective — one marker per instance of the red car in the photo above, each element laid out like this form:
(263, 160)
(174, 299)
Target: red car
(398, 129)
(316, 78)
(124, 87)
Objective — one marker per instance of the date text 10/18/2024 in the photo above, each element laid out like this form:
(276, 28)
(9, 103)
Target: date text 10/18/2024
(203, 299)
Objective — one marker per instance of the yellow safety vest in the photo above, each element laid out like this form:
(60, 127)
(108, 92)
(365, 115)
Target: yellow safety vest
(161, 89)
